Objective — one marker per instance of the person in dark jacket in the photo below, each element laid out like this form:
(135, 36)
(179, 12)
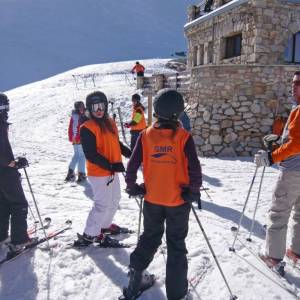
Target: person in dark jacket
(138, 122)
(76, 120)
(13, 204)
(172, 175)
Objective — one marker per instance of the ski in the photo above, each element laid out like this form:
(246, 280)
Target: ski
(11, 255)
(122, 125)
(115, 230)
(150, 278)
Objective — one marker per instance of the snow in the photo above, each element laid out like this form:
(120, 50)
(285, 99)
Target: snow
(40, 113)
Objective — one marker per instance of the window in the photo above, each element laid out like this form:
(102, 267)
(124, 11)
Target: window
(292, 51)
(233, 46)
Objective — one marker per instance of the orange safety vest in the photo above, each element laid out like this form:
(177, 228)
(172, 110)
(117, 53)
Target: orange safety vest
(165, 166)
(142, 124)
(107, 144)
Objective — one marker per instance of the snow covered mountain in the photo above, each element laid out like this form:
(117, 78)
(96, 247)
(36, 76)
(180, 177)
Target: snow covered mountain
(43, 38)
(40, 113)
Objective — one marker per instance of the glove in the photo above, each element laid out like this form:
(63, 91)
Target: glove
(270, 139)
(126, 125)
(136, 190)
(21, 162)
(189, 196)
(263, 159)
(117, 167)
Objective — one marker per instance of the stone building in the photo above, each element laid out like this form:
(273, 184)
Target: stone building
(242, 56)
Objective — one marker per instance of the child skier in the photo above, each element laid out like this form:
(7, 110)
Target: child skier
(172, 176)
(78, 158)
(102, 149)
(137, 123)
(13, 204)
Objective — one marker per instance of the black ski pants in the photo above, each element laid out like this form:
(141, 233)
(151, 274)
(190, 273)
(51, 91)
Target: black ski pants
(176, 219)
(134, 136)
(13, 206)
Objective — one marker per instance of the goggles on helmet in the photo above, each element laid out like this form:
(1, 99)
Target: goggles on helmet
(4, 107)
(98, 106)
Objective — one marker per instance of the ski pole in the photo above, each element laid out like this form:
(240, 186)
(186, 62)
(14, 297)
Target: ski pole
(122, 125)
(243, 212)
(140, 217)
(256, 205)
(32, 215)
(36, 207)
(232, 297)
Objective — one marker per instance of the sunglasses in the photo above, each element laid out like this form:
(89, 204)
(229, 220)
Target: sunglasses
(98, 107)
(4, 107)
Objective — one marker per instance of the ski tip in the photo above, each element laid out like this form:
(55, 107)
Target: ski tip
(47, 220)
(231, 249)
(69, 222)
(233, 297)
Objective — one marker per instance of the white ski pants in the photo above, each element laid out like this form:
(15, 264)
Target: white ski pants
(106, 201)
(286, 197)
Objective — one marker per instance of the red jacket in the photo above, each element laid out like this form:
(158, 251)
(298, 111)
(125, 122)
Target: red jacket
(138, 68)
(74, 125)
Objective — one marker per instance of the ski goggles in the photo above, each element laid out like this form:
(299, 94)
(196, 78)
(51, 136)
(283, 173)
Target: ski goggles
(98, 107)
(4, 107)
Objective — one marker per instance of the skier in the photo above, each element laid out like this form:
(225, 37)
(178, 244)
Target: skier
(78, 158)
(172, 176)
(13, 204)
(137, 123)
(102, 149)
(287, 191)
(139, 69)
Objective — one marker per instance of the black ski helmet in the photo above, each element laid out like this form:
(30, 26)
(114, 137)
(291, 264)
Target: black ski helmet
(168, 104)
(136, 97)
(95, 97)
(4, 103)
(78, 105)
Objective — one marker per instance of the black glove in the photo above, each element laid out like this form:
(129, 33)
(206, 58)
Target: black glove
(21, 162)
(117, 167)
(189, 196)
(136, 190)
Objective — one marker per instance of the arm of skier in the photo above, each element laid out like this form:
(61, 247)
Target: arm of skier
(88, 141)
(292, 147)
(125, 150)
(134, 163)
(194, 168)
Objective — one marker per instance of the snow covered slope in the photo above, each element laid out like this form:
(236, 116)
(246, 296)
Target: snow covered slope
(43, 38)
(40, 113)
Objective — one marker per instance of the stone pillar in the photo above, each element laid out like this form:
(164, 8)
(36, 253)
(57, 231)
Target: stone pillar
(149, 110)
(159, 81)
(139, 82)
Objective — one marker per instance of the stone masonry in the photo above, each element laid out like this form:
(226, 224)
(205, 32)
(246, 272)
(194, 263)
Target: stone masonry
(234, 100)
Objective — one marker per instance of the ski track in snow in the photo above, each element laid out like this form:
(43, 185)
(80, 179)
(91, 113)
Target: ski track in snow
(40, 114)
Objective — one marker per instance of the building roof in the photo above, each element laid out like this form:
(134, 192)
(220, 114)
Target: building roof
(218, 11)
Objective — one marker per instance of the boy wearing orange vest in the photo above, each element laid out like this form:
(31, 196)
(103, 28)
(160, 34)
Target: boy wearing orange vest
(102, 149)
(138, 122)
(172, 176)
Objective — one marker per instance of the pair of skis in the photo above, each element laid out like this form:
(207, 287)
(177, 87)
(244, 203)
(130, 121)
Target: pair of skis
(11, 254)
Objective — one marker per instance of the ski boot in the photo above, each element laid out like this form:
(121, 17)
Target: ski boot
(83, 240)
(81, 177)
(70, 176)
(292, 256)
(17, 248)
(114, 229)
(105, 241)
(277, 265)
(138, 283)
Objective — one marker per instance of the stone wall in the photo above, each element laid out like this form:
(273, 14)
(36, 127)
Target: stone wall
(233, 106)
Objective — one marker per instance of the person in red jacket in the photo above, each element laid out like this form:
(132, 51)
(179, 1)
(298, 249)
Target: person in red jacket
(139, 69)
(138, 122)
(76, 120)
(172, 176)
